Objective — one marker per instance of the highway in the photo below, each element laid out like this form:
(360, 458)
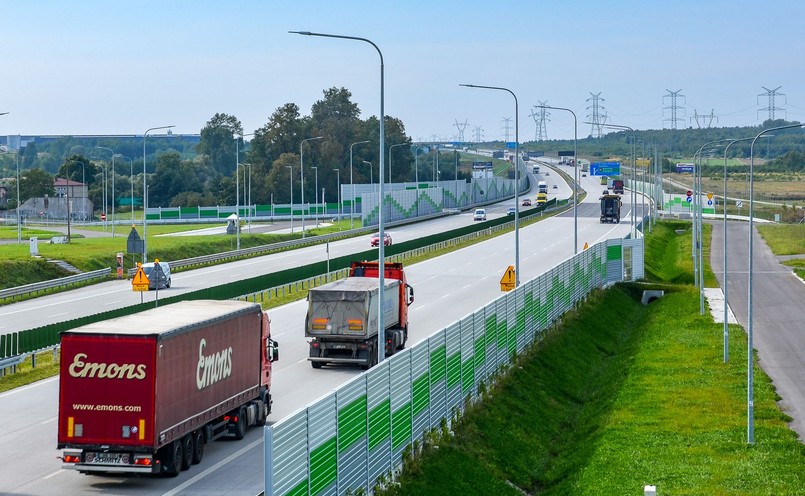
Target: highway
(446, 288)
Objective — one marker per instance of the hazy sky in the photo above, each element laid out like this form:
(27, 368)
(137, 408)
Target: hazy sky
(115, 67)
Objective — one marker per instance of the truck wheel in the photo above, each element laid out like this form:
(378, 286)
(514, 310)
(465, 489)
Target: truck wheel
(240, 428)
(316, 365)
(172, 459)
(187, 452)
(198, 447)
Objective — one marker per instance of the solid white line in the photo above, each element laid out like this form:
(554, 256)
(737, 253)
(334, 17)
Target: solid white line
(54, 474)
(212, 469)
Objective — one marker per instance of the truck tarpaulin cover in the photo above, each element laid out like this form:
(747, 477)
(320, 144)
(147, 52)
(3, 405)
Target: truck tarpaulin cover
(134, 379)
(348, 307)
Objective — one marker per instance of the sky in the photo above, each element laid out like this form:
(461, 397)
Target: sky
(121, 67)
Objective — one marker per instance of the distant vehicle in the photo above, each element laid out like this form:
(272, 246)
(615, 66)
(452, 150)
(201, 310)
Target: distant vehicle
(158, 278)
(610, 208)
(511, 211)
(480, 214)
(617, 186)
(536, 169)
(542, 187)
(542, 199)
(527, 202)
(583, 174)
(547, 173)
(555, 187)
(376, 239)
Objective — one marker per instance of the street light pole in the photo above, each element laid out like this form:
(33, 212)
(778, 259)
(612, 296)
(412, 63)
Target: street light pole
(237, 184)
(392, 146)
(371, 174)
(726, 286)
(316, 196)
(131, 181)
(576, 176)
(352, 186)
(145, 194)
(381, 318)
(516, 176)
(338, 196)
(302, 176)
(113, 189)
(750, 396)
(290, 180)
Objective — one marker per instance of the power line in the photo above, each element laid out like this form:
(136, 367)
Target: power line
(598, 116)
(704, 117)
(506, 124)
(674, 107)
(479, 133)
(770, 108)
(540, 119)
(461, 127)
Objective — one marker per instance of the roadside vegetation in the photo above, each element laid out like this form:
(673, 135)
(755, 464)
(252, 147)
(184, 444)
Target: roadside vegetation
(617, 397)
(788, 239)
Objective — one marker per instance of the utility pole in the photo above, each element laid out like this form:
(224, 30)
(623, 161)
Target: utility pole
(771, 108)
(461, 126)
(674, 107)
(506, 125)
(597, 116)
(540, 119)
(479, 132)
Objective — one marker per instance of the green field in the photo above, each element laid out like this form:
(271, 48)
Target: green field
(619, 397)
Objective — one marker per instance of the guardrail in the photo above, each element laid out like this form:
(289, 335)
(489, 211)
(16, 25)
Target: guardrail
(54, 283)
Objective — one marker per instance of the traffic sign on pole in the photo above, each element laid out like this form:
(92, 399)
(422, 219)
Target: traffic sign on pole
(507, 282)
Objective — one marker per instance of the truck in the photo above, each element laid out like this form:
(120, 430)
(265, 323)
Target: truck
(535, 170)
(617, 186)
(610, 208)
(143, 393)
(542, 199)
(542, 187)
(342, 316)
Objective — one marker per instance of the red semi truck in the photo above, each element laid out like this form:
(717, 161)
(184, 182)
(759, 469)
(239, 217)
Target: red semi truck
(342, 315)
(145, 392)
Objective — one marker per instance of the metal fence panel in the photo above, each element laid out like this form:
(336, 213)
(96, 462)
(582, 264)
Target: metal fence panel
(420, 388)
(401, 403)
(289, 457)
(352, 430)
(322, 439)
(379, 420)
(438, 375)
(468, 369)
(453, 379)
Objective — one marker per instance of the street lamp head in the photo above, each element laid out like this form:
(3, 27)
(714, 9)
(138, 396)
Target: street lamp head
(305, 33)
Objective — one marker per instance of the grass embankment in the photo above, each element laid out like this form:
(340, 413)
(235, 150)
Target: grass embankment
(619, 397)
(786, 239)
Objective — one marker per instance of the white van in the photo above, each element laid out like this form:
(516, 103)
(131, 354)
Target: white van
(152, 275)
(480, 214)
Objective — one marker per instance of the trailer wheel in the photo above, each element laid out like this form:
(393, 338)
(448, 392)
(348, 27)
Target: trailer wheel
(172, 459)
(198, 447)
(187, 452)
(316, 365)
(240, 427)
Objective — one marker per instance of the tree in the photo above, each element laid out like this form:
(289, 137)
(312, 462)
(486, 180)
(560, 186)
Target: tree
(78, 169)
(172, 177)
(218, 141)
(34, 183)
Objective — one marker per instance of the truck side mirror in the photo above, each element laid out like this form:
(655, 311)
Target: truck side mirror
(409, 294)
(274, 348)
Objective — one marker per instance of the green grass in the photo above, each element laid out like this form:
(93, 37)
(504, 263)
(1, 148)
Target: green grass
(46, 367)
(620, 397)
(669, 258)
(784, 239)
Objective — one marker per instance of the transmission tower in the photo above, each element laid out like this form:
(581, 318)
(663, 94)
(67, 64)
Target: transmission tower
(598, 116)
(479, 133)
(540, 119)
(506, 124)
(674, 108)
(771, 108)
(708, 118)
(461, 126)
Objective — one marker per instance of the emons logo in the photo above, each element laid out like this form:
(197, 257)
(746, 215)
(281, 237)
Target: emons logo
(214, 367)
(79, 368)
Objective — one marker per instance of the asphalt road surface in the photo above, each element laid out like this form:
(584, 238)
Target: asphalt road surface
(778, 311)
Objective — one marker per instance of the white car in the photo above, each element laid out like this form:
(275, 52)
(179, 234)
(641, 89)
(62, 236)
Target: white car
(480, 214)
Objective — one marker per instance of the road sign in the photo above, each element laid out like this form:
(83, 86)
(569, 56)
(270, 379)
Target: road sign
(605, 169)
(565, 153)
(103, 216)
(739, 203)
(689, 193)
(709, 202)
(140, 281)
(689, 199)
(709, 196)
(508, 281)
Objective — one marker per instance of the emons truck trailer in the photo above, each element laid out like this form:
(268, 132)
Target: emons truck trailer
(145, 392)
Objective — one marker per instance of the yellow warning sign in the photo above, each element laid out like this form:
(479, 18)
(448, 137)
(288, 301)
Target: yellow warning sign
(140, 281)
(586, 246)
(508, 281)
(709, 196)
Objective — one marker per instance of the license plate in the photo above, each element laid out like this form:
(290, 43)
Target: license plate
(114, 458)
(339, 346)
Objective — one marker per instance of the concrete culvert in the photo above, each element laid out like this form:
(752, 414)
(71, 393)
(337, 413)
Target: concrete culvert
(651, 295)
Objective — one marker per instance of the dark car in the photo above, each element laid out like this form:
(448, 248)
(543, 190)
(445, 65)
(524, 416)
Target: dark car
(376, 239)
(527, 202)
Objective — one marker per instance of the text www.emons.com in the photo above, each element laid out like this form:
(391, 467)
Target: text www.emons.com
(107, 408)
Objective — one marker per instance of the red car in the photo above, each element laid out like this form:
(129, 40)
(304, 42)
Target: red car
(376, 239)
